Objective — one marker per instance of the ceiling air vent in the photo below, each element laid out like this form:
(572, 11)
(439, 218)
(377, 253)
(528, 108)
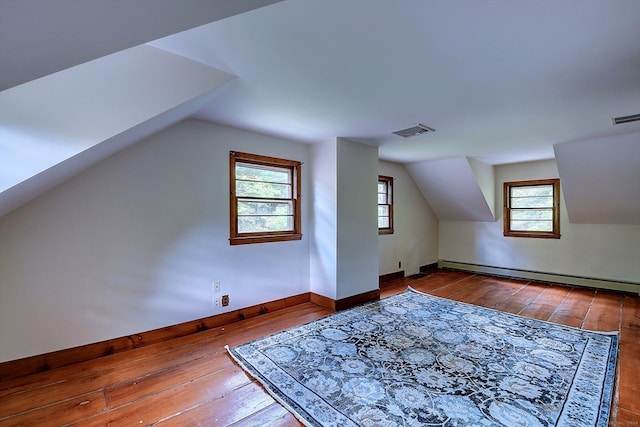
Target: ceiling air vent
(625, 119)
(419, 129)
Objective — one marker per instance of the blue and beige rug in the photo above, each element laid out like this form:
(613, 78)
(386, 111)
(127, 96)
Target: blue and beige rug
(418, 360)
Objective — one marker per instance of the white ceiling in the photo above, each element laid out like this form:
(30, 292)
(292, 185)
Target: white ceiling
(499, 81)
(41, 37)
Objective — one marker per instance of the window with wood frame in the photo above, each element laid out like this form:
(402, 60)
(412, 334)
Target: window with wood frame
(265, 199)
(532, 208)
(385, 204)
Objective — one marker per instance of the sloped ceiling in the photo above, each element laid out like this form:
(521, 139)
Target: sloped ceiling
(61, 124)
(79, 85)
(601, 179)
(56, 117)
(501, 82)
(41, 37)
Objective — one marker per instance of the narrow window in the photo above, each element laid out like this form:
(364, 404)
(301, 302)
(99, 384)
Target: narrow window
(385, 204)
(532, 208)
(265, 199)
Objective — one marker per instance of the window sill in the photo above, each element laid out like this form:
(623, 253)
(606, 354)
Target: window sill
(264, 239)
(532, 235)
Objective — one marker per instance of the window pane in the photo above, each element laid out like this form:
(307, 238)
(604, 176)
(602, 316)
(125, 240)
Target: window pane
(263, 199)
(532, 214)
(532, 202)
(531, 208)
(531, 225)
(385, 204)
(263, 189)
(264, 208)
(532, 191)
(262, 173)
(255, 224)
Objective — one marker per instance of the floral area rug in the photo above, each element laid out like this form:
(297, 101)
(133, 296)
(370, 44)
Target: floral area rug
(418, 360)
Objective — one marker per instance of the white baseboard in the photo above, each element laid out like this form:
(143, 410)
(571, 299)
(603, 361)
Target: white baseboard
(539, 276)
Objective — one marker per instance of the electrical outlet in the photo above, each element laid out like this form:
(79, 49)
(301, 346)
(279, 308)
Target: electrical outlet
(225, 300)
(216, 302)
(216, 286)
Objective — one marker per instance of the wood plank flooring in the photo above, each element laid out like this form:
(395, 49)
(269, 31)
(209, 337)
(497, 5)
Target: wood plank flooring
(192, 381)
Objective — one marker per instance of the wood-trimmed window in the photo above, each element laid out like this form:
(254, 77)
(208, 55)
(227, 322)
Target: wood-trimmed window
(265, 199)
(385, 204)
(532, 208)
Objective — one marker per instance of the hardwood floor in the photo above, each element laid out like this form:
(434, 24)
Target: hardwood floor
(192, 381)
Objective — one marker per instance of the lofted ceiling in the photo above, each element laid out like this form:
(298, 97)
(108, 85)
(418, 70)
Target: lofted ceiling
(500, 82)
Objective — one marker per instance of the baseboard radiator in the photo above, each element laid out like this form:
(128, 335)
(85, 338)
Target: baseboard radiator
(539, 276)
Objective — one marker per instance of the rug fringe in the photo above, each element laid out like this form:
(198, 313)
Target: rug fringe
(268, 389)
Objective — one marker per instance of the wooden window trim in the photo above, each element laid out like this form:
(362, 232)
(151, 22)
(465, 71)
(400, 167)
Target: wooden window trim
(294, 166)
(390, 196)
(555, 234)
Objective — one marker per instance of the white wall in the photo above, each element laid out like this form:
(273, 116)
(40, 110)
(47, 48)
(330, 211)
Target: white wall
(135, 243)
(344, 246)
(324, 219)
(486, 180)
(414, 241)
(357, 242)
(590, 250)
